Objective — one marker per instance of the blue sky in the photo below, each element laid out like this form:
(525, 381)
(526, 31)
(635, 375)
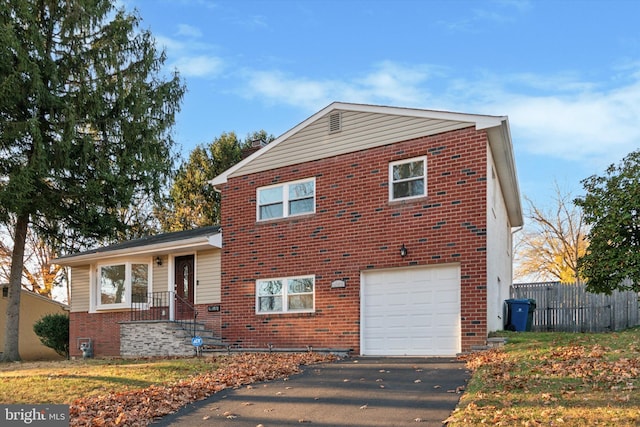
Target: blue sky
(567, 73)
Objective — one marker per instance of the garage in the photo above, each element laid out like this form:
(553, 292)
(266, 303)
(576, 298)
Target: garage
(410, 312)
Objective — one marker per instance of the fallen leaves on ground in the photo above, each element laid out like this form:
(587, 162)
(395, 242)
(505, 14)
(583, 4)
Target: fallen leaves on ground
(558, 386)
(141, 407)
(594, 370)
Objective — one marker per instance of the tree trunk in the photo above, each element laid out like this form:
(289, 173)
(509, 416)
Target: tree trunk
(12, 334)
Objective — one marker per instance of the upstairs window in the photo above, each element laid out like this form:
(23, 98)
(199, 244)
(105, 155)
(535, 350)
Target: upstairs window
(408, 178)
(121, 284)
(286, 295)
(284, 200)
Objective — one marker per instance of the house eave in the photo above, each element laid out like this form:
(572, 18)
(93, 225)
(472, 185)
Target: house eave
(502, 150)
(479, 121)
(194, 244)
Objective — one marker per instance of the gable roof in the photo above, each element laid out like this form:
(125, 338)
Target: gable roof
(372, 126)
(35, 295)
(204, 237)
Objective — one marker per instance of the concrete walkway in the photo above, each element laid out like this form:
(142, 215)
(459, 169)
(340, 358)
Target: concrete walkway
(361, 391)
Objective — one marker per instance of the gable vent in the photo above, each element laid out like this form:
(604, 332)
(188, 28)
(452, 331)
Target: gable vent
(335, 122)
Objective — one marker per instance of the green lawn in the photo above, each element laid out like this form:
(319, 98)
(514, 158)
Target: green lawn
(555, 379)
(535, 379)
(63, 382)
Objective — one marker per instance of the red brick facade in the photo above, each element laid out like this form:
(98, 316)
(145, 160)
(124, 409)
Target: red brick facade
(355, 228)
(104, 329)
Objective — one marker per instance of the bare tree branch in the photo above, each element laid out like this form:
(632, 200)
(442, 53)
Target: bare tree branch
(551, 245)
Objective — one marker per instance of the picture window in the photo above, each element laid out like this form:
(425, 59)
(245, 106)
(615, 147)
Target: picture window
(118, 285)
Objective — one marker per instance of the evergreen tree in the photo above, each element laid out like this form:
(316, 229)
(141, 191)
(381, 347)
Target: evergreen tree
(85, 119)
(193, 203)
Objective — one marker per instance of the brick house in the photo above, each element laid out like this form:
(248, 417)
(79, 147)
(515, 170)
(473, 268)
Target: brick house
(369, 229)
(378, 230)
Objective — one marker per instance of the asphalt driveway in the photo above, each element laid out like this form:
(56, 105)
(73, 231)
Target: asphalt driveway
(360, 391)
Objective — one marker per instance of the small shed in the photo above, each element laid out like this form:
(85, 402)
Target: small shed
(32, 308)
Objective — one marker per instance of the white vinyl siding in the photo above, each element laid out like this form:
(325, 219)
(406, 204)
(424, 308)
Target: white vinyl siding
(499, 249)
(80, 284)
(209, 274)
(360, 131)
(160, 275)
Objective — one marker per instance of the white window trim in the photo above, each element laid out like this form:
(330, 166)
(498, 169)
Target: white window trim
(95, 287)
(285, 199)
(391, 181)
(285, 309)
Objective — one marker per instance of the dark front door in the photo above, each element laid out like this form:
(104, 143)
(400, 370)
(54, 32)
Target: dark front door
(185, 289)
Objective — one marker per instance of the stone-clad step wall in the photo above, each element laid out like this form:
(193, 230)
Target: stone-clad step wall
(154, 338)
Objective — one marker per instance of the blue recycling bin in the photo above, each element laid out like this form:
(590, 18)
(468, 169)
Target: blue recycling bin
(520, 314)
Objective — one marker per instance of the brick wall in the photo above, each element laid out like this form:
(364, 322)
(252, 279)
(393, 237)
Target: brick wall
(210, 320)
(102, 328)
(356, 228)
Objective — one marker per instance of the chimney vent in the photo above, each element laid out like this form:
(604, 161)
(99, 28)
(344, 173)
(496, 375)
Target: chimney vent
(258, 143)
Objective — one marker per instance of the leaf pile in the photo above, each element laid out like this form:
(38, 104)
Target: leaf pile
(141, 407)
(591, 366)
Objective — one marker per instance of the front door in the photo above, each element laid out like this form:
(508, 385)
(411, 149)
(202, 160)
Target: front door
(184, 284)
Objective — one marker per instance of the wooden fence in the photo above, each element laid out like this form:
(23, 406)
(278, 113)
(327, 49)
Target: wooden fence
(570, 308)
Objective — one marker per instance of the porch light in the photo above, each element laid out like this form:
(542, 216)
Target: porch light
(403, 251)
(158, 261)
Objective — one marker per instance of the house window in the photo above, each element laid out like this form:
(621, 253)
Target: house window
(284, 200)
(121, 284)
(408, 178)
(286, 295)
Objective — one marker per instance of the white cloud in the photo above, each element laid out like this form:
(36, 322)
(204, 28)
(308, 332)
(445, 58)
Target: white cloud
(189, 31)
(199, 66)
(387, 83)
(300, 92)
(598, 127)
(191, 59)
(560, 116)
(167, 43)
(476, 19)
(400, 84)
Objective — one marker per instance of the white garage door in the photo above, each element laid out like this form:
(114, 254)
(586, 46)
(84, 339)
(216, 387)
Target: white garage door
(410, 312)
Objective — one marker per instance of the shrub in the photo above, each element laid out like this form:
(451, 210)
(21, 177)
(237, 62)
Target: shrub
(53, 331)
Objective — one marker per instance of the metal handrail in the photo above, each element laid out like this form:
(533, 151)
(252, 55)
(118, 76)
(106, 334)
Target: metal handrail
(186, 322)
(158, 306)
